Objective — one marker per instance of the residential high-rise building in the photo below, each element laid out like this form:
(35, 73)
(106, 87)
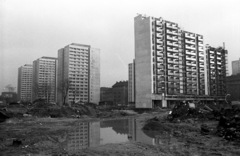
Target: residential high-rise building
(78, 74)
(44, 83)
(217, 70)
(236, 67)
(169, 62)
(25, 82)
(131, 81)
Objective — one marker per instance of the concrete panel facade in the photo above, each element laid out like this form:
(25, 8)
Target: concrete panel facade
(143, 62)
(94, 76)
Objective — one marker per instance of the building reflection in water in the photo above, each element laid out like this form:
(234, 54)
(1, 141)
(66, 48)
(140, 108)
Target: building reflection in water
(86, 134)
(137, 135)
(92, 134)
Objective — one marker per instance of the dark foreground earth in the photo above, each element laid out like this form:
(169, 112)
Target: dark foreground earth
(47, 136)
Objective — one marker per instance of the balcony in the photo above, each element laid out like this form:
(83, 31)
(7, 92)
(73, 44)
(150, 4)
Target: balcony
(218, 53)
(160, 52)
(158, 35)
(211, 56)
(159, 29)
(159, 60)
(191, 64)
(201, 65)
(187, 35)
(169, 49)
(190, 53)
(201, 54)
(175, 44)
(189, 42)
(219, 63)
(159, 47)
(159, 41)
(174, 50)
(200, 49)
(200, 44)
(173, 26)
(190, 47)
(200, 38)
(158, 23)
(219, 58)
(191, 58)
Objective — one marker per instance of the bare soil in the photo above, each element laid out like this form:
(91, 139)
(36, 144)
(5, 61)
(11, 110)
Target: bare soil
(46, 136)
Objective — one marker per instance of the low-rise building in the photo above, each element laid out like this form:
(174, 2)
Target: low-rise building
(233, 87)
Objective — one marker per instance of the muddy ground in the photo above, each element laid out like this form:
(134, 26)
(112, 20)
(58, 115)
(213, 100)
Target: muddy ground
(46, 136)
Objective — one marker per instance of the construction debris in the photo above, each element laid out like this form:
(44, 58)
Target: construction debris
(228, 118)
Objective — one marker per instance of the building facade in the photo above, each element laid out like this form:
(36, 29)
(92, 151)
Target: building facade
(233, 87)
(170, 64)
(78, 74)
(25, 82)
(217, 70)
(168, 61)
(44, 83)
(131, 83)
(120, 93)
(236, 67)
(106, 94)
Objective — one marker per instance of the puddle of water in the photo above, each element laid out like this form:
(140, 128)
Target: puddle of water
(92, 134)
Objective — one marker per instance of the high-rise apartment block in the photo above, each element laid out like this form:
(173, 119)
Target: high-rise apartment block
(44, 79)
(169, 65)
(131, 81)
(168, 61)
(236, 67)
(25, 82)
(79, 68)
(217, 70)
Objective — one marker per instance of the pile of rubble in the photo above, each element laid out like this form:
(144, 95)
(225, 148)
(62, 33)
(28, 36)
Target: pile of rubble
(228, 118)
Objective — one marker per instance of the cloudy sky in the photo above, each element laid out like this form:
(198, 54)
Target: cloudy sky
(30, 29)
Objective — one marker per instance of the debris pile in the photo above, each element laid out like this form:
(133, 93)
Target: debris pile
(185, 110)
(228, 118)
(229, 124)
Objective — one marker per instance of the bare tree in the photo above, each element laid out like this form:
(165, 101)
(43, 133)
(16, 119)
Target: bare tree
(10, 88)
(46, 90)
(64, 88)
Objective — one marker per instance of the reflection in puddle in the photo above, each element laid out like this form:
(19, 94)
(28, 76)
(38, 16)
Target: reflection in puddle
(92, 134)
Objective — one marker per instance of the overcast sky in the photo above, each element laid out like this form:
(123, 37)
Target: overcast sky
(30, 29)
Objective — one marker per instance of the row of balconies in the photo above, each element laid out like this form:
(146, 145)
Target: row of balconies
(172, 38)
(188, 35)
(172, 26)
(173, 55)
(172, 32)
(190, 41)
(172, 49)
(175, 44)
(190, 47)
(190, 52)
